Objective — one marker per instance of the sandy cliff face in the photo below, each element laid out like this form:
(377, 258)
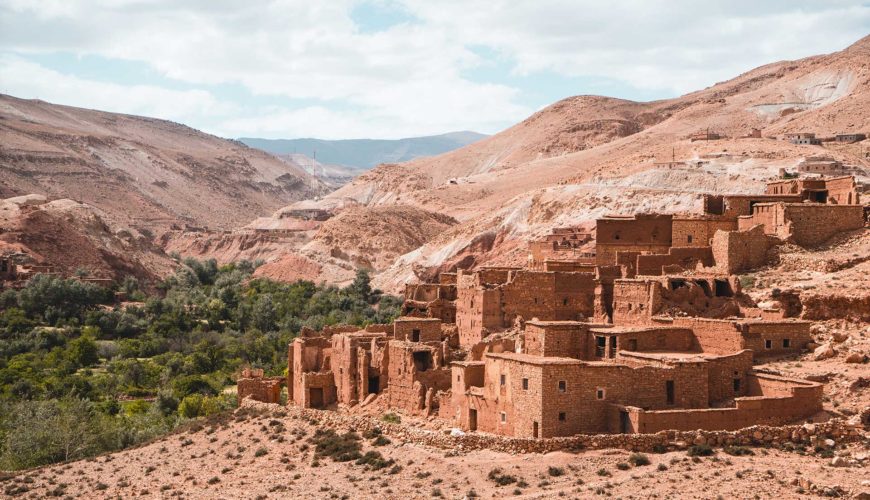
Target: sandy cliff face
(141, 171)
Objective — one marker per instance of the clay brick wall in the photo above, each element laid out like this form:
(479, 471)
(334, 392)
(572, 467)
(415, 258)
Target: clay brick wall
(654, 338)
(477, 309)
(427, 329)
(737, 251)
(560, 339)
(767, 338)
(413, 370)
(842, 190)
(713, 336)
(738, 205)
(310, 354)
(650, 233)
(698, 232)
(570, 266)
(722, 371)
(574, 296)
(781, 187)
(804, 400)
(309, 382)
(806, 224)
(634, 301)
(683, 257)
(266, 390)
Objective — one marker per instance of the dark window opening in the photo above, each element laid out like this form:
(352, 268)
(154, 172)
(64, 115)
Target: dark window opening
(415, 335)
(677, 284)
(736, 385)
(422, 360)
(669, 391)
(525, 384)
(723, 288)
(786, 343)
(374, 385)
(689, 238)
(706, 287)
(768, 344)
(502, 379)
(563, 386)
(599, 393)
(600, 344)
(565, 301)
(562, 416)
(612, 346)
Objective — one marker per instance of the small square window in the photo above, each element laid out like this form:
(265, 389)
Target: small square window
(768, 344)
(562, 416)
(525, 384)
(503, 417)
(786, 343)
(563, 386)
(599, 393)
(502, 379)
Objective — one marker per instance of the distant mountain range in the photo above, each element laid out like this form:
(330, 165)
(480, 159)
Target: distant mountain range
(366, 153)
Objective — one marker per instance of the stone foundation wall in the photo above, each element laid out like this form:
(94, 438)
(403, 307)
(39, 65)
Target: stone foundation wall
(757, 435)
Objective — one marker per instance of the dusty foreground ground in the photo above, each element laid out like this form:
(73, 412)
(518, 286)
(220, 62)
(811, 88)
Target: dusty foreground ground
(268, 455)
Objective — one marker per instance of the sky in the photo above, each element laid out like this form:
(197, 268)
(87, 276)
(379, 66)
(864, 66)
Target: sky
(344, 69)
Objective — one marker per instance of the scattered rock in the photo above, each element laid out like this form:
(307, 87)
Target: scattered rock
(824, 351)
(839, 462)
(855, 357)
(840, 337)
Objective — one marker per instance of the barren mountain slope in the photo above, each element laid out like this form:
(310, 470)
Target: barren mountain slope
(825, 94)
(514, 201)
(142, 171)
(70, 236)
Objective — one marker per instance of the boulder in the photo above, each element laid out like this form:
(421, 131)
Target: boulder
(855, 357)
(839, 462)
(839, 336)
(824, 351)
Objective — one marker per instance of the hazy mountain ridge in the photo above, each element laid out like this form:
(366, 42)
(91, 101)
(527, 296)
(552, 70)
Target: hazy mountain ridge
(366, 153)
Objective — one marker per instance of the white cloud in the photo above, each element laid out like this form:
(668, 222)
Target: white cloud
(24, 78)
(409, 79)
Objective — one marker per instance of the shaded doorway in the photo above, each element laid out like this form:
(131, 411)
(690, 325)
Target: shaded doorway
(472, 420)
(315, 397)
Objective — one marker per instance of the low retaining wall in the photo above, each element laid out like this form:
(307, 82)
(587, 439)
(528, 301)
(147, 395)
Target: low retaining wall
(758, 435)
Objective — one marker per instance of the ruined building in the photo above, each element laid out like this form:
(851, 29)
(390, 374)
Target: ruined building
(651, 331)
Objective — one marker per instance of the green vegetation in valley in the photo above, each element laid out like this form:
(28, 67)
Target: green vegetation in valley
(79, 377)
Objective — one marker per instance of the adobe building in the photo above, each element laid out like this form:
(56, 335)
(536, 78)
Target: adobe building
(850, 138)
(804, 224)
(821, 165)
(841, 190)
(406, 360)
(253, 385)
(560, 249)
(805, 138)
(651, 333)
(493, 299)
(642, 233)
(432, 300)
(642, 380)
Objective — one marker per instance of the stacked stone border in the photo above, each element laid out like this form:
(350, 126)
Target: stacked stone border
(811, 434)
